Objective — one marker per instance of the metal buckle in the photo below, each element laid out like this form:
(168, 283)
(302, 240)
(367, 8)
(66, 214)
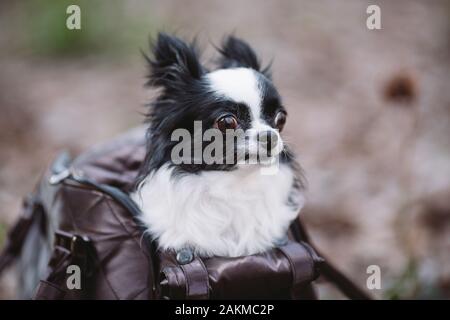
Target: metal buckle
(78, 242)
(58, 177)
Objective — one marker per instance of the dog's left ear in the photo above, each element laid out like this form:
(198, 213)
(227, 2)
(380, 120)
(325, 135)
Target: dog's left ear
(238, 53)
(174, 64)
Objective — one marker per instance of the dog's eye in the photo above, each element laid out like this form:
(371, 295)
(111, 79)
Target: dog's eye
(226, 122)
(280, 120)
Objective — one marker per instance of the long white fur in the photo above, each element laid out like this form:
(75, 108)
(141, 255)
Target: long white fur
(221, 213)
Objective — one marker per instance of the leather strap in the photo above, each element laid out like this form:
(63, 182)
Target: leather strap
(302, 264)
(68, 249)
(31, 212)
(197, 280)
(80, 248)
(52, 288)
(331, 273)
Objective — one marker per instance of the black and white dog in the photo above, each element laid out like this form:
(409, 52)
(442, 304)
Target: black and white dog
(216, 208)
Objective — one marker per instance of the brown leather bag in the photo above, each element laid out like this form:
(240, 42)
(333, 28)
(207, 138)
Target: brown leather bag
(83, 205)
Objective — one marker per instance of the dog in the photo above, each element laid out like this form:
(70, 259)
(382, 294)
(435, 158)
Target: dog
(226, 209)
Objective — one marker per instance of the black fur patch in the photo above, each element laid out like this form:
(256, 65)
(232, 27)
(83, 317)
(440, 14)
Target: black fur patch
(186, 97)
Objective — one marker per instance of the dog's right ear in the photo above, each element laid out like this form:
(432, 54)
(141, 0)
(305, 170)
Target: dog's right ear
(236, 52)
(174, 64)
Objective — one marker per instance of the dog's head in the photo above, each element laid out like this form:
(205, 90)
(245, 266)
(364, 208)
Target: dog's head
(236, 98)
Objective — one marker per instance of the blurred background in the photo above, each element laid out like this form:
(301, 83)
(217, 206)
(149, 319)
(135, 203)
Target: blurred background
(369, 112)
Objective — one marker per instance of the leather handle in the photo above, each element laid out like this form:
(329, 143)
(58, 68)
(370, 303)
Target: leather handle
(197, 280)
(329, 271)
(302, 264)
(184, 281)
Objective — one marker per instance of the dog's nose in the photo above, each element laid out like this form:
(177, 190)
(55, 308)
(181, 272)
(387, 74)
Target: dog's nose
(268, 139)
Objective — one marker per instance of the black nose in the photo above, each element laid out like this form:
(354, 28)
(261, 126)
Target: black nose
(268, 139)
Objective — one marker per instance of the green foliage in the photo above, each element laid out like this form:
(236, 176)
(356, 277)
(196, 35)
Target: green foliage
(409, 285)
(2, 234)
(106, 27)
(406, 284)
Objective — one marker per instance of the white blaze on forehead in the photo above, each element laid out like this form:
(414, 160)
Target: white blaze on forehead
(239, 85)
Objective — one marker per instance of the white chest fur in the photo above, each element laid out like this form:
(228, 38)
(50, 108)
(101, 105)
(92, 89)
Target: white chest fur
(220, 213)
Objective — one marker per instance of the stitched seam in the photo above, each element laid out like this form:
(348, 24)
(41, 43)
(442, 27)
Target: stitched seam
(100, 268)
(108, 199)
(187, 282)
(206, 283)
(97, 261)
(134, 297)
(294, 273)
(311, 263)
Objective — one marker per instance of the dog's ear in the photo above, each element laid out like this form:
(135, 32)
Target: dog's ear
(174, 63)
(238, 53)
